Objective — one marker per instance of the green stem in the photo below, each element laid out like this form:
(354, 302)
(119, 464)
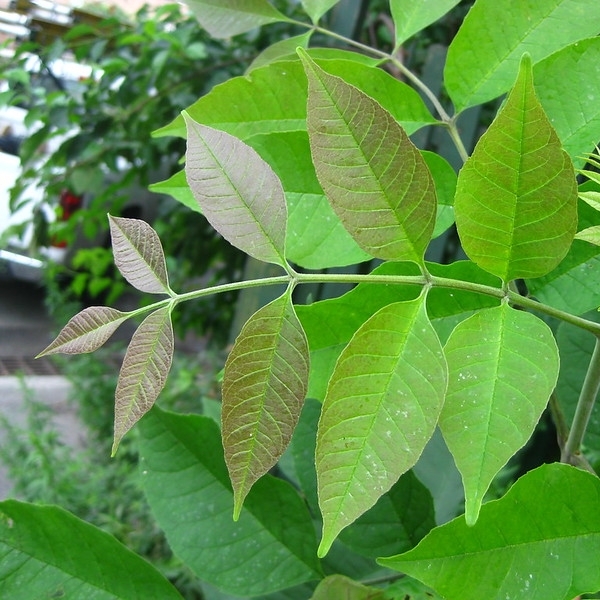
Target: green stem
(571, 453)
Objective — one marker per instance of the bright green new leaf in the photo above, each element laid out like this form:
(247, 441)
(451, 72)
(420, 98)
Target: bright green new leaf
(574, 285)
(46, 552)
(285, 48)
(445, 180)
(138, 255)
(144, 371)
(411, 16)
(540, 542)
(565, 80)
(273, 97)
(516, 198)
(226, 18)
(273, 544)
(264, 386)
(375, 178)
(315, 9)
(86, 331)
(238, 192)
(502, 367)
(316, 238)
(340, 587)
(484, 56)
(591, 235)
(381, 408)
(177, 187)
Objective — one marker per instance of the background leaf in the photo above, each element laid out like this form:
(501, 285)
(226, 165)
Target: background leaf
(564, 80)
(338, 587)
(144, 371)
(363, 158)
(271, 547)
(46, 552)
(86, 331)
(315, 9)
(226, 18)
(411, 16)
(502, 367)
(264, 386)
(381, 407)
(516, 198)
(238, 192)
(484, 55)
(139, 255)
(537, 542)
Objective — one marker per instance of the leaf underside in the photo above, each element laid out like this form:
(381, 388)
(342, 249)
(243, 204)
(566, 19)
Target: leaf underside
(264, 386)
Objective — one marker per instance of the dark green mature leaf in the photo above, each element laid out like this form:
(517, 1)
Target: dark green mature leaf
(144, 371)
(264, 386)
(540, 542)
(138, 255)
(502, 367)
(375, 178)
(238, 192)
(226, 18)
(516, 198)
(411, 16)
(340, 587)
(273, 98)
(86, 331)
(564, 80)
(46, 552)
(381, 408)
(273, 544)
(484, 56)
(574, 285)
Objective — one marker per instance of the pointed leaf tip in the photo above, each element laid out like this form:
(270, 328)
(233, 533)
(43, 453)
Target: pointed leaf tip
(139, 255)
(264, 386)
(144, 371)
(238, 192)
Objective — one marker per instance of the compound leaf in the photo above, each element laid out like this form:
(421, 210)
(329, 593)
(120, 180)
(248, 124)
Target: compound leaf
(540, 542)
(516, 197)
(484, 55)
(226, 18)
(381, 408)
(271, 547)
(86, 331)
(46, 552)
(264, 386)
(502, 367)
(238, 192)
(144, 371)
(375, 178)
(411, 16)
(138, 255)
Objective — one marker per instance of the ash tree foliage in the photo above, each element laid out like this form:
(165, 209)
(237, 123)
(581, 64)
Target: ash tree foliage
(346, 416)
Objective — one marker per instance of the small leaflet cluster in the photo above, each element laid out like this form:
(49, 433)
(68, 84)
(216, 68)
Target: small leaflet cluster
(393, 381)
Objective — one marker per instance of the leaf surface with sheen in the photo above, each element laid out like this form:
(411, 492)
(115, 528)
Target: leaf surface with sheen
(484, 56)
(264, 386)
(138, 255)
(271, 547)
(539, 541)
(382, 405)
(86, 331)
(516, 197)
(144, 371)
(375, 178)
(238, 192)
(502, 367)
(46, 552)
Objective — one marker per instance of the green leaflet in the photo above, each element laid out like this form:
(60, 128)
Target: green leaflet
(46, 552)
(516, 197)
(483, 57)
(375, 178)
(317, 8)
(502, 367)
(280, 50)
(273, 544)
(540, 542)
(382, 404)
(264, 386)
(177, 187)
(336, 587)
